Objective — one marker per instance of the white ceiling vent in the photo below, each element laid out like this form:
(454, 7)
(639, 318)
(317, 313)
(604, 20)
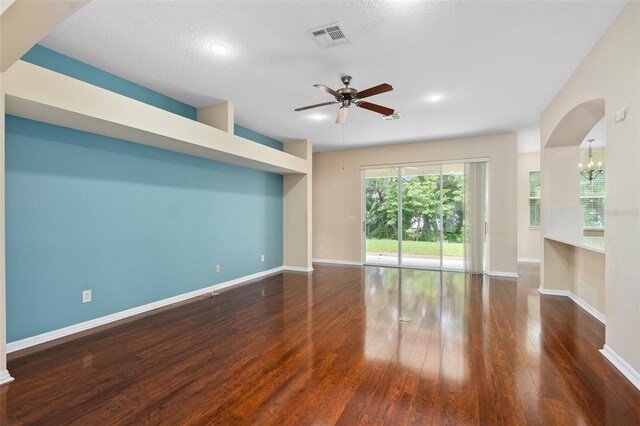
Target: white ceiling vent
(329, 35)
(394, 116)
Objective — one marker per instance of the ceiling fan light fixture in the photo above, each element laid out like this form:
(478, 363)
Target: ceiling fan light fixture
(218, 49)
(342, 114)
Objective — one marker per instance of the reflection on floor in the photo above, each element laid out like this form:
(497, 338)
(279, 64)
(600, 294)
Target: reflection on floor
(327, 348)
(388, 259)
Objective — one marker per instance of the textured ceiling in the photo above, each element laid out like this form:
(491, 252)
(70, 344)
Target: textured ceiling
(497, 64)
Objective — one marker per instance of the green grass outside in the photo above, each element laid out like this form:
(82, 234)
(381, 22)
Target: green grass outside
(424, 248)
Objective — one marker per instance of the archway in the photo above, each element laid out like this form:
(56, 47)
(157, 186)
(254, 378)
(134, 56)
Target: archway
(576, 124)
(572, 264)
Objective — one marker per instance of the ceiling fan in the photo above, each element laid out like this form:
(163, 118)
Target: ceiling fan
(348, 96)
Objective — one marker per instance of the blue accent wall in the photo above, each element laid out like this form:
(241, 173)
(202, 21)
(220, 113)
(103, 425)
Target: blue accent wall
(243, 132)
(47, 58)
(134, 224)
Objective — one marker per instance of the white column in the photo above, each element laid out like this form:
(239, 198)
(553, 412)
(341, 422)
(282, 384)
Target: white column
(4, 373)
(297, 225)
(25, 22)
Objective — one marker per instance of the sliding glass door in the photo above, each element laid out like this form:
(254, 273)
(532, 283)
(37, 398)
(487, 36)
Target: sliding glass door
(381, 216)
(421, 217)
(453, 216)
(425, 216)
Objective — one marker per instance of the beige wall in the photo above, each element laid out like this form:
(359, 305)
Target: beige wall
(579, 271)
(529, 242)
(589, 278)
(337, 194)
(560, 177)
(611, 71)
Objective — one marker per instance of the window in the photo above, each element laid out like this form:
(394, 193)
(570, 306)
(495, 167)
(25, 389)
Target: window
(534, 199)
(592, 196)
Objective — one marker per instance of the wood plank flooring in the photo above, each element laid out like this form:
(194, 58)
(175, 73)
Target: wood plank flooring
(328, 348)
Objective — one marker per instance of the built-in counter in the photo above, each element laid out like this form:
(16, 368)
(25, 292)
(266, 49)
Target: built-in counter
(595, 244)
(574, 267)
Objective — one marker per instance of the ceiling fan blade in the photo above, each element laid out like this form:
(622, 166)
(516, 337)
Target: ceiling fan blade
(376, 108)
(376, 90)
(327, 89)
(342, 115)
(315, 106)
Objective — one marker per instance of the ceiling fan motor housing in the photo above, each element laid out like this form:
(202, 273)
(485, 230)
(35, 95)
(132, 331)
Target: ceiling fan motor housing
(347, 94)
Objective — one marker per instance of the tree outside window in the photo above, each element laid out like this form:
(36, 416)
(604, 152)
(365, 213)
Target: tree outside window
(534, 199)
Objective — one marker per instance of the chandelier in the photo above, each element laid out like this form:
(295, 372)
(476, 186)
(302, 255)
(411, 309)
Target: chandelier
(591, 172)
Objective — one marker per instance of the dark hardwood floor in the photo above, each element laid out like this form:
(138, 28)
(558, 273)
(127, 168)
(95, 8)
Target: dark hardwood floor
(327, 348)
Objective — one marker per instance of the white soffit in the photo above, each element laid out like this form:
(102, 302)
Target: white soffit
(497, 64)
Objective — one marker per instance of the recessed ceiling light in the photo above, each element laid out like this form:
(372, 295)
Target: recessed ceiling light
(219, 49)
(434, 98)
(318, 117)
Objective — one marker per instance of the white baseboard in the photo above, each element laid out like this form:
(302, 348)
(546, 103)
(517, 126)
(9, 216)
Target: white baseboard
(621, 365)
(297, 269)
(97, 322)
(528, 260)
(499, 274)
(338, 262)
(552, 292)
(577, 300)
(5, 377)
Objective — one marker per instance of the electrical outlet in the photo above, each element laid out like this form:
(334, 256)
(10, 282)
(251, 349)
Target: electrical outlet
(217, 268)
(262, 258)
(86, 296)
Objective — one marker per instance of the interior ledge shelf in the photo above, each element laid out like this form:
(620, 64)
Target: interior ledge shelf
(40, 94)
(595, 244)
